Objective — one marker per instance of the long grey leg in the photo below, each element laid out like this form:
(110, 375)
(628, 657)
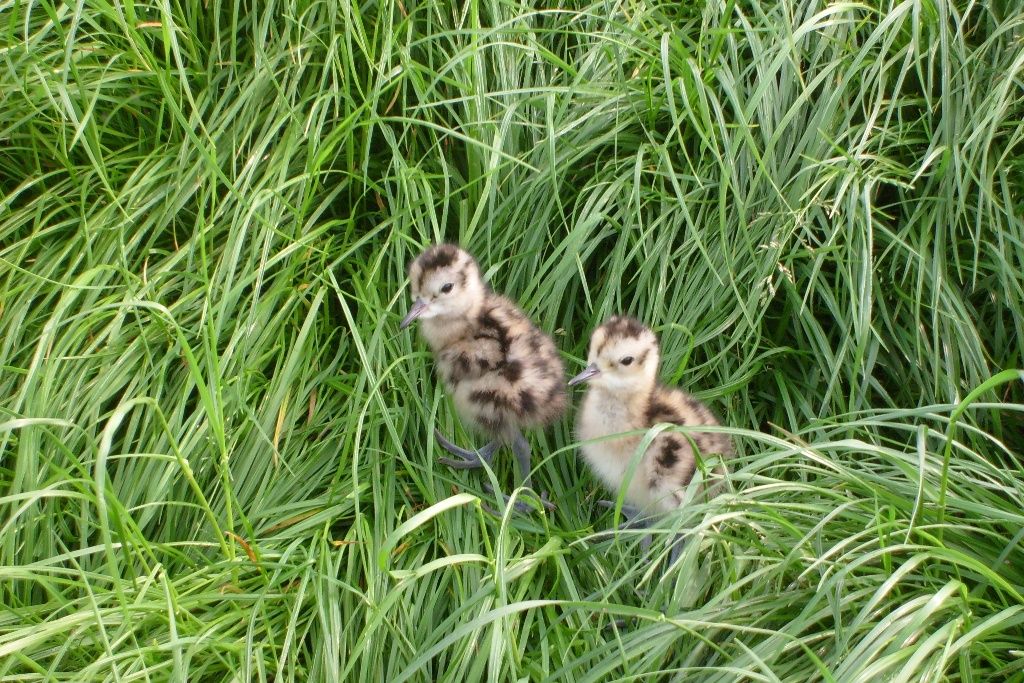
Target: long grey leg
(467, 459)
(521, 449)
(678, 543)
(632, 520)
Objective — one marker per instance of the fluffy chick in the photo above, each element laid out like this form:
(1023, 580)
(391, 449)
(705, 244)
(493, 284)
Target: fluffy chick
(503, 373)
(624, 395)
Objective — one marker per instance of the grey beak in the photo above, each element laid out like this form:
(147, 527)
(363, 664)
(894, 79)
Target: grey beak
(416, 311)
(589, 373)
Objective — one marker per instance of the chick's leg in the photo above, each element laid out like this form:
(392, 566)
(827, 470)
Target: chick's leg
(467, 459)
(678, 543)
(521, 449)
(631, 513)
(632, 520)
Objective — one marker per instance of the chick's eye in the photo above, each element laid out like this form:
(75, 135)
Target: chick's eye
(627, 360)
(447, 287)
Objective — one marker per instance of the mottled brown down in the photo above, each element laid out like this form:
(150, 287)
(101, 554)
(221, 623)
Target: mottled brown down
(503, 373)
(625, 395)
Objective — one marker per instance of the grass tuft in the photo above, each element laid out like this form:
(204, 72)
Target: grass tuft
(215, 452)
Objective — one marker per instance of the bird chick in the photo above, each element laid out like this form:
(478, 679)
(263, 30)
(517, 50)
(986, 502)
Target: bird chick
(624, 395)
(503, 373)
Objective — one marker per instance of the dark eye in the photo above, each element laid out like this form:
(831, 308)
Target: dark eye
(627, 360)
(447, 287)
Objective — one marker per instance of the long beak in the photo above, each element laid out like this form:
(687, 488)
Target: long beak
(416, 311)
(589, 373)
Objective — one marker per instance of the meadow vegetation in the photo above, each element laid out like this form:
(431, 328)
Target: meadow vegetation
(216, 459)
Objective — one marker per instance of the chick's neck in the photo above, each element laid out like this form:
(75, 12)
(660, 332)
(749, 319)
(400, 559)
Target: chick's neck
(634, 397)
(444, 330)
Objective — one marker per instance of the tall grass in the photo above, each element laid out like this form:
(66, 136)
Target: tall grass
(215, 450)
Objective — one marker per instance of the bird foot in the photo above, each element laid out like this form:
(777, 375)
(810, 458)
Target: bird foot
(631, 513)
(520, 504)
(467, 459)
(678, 543)
(617, 624)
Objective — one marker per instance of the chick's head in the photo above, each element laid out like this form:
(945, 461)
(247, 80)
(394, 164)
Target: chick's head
(623, 357)
(445, 282)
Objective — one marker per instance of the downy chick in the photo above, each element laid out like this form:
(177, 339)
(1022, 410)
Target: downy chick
(504, 374)
(624, 395)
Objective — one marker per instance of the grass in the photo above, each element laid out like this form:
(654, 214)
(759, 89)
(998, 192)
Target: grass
(215, 452)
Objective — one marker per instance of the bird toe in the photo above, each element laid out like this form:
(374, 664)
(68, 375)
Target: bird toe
(452, 448)
(463, 463)
(521, 504)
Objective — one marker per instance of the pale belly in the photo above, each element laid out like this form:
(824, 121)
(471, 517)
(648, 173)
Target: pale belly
(612, 459)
